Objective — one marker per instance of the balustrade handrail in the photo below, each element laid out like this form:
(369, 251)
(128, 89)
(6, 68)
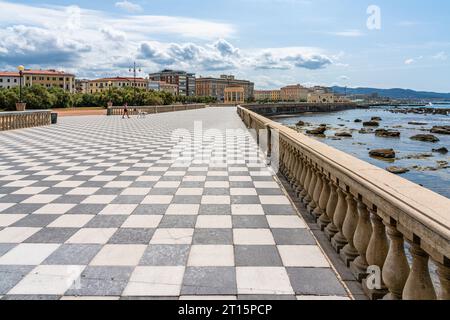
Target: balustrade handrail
(12, 120)
(160, 106)
(419, 215)
(12, 113)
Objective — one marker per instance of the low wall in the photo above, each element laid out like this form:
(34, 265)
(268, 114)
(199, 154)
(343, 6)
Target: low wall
(295, 108)
(367, 213)
(24, 119)
(133, 110)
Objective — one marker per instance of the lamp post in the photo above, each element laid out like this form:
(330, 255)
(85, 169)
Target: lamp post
(135, 70)
(20, 106)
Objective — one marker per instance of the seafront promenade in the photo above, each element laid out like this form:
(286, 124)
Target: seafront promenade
(177, 205)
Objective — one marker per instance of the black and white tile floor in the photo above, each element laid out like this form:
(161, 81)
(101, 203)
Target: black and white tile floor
(137, 208)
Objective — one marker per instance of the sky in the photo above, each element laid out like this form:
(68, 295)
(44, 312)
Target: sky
(354, 43)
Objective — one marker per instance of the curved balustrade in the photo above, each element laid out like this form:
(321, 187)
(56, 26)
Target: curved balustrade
(24, 119)
(368, 214)
(118, 111)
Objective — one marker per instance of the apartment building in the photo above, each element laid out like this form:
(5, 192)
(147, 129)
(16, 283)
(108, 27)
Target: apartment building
(296, 93)
(267, 95)
(46, 78)
(163, 87)
(215, 87)
(9, 80)
(104, 84)
(185, 81)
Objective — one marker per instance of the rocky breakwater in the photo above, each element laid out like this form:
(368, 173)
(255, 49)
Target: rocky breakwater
(428, 110)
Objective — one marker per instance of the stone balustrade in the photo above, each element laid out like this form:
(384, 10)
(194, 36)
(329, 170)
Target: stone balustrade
(132, 110)
(367, 213)
(24, 119)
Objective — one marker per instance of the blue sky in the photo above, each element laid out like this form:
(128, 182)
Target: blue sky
(271, 42)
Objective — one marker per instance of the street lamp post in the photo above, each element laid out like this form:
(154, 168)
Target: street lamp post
(20, 106)
(135, 70)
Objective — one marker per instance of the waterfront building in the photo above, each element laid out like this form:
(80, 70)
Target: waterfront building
(185, 81)
(215, 87)
(104, 84)
(47, 78)
(9, 80)
(82, 85)
(321, 97)
(163, 87)
(296, 93)
(267, 95)
(234, 95)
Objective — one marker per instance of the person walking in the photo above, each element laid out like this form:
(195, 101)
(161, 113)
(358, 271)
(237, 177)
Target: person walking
(125, 111)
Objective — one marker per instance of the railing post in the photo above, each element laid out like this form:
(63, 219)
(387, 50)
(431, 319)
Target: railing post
(312, 185)
(301, 186)
(376, 255)
(308, 177)
(339, 241)
(443, 272)
(396, 267)
(361, 240)
(316, 193)
(349, 252)
(323, 199)
(326, 220)
(419, 285)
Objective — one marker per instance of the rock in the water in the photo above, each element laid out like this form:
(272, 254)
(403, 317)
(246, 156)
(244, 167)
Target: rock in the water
(441, 130)
(387, 133)
(365, 131)
(358, 120)
(425, 138)
(376, 119)
(371, 123)
(383, 153)
(344, 134)
(397, 170)
(442, 150)
(317, 131)
(301, 124)
(414, 123)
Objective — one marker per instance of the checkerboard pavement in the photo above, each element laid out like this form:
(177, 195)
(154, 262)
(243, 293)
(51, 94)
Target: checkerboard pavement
(110, 208)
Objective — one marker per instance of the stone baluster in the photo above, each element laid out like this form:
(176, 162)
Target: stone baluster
(312, 185)
(331, 229)
(443, 271)
(296, 166)
(376, 256)
(300, 174)
(316, 193)
(289, 164)
(349, 252)
(304, 177)
(308, 179)
(282, 157)
(323, 200)
(396, 267)
(361, 241)
(419, 285)
(339, 240)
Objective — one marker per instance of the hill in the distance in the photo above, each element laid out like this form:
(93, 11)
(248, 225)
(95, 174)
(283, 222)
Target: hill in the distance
(395, 93)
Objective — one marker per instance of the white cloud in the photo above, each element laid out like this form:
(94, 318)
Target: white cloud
(94, 44)
(353, 33)
(413, 60)
(128, 6)
(442, 56)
